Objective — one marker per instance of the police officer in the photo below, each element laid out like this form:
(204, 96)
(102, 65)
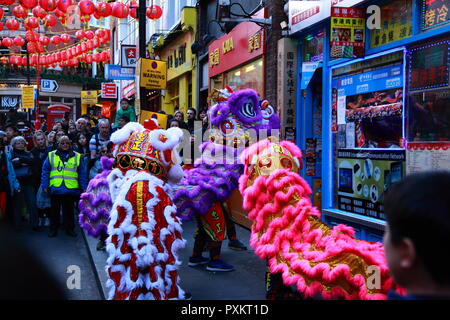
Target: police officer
(64, 177)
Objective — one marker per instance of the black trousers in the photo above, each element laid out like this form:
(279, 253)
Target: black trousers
(66, 203)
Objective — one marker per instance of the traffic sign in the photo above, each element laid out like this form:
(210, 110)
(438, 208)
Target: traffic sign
(28, 97)
(49, 85)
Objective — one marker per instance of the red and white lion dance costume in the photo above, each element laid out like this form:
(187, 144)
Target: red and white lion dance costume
(144, 232)
(288, 232)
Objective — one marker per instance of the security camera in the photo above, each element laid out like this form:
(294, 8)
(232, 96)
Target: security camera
(284, 25)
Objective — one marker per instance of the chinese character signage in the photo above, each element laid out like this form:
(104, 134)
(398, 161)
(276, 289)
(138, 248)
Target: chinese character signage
(153, 74)
(347, 32)
(429, 67)
(128, 56)
(109, 90)
(287, 84)
(303, 14)
(435, 13)
(395, 23)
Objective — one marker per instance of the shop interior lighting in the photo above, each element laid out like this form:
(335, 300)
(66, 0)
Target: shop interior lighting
(250, 68)
(237, 74)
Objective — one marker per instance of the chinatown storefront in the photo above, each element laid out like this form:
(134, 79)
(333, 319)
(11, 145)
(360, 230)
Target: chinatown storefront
(237, 60)
(175, 49)
(373, 101)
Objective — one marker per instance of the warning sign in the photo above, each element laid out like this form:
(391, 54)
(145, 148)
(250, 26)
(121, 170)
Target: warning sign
(28, 97)
(153, 74)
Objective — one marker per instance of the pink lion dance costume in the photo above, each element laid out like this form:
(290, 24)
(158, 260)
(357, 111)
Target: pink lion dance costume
(144, 232)
(288, 232)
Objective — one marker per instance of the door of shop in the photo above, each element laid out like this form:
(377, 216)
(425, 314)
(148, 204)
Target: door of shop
(311, 135)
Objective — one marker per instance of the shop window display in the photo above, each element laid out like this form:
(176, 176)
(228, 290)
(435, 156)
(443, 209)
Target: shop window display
(247, 76)
(313, 47)
(429, 92)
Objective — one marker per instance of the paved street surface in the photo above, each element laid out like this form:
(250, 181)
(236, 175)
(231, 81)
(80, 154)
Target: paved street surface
(245, 283)
(58, 255)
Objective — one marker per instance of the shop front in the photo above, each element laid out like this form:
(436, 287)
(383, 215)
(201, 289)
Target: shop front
(237, 60)
(175, 49)
(374, 108)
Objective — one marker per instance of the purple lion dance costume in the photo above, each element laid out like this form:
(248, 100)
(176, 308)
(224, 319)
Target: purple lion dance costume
(236, 121)
(95, 204)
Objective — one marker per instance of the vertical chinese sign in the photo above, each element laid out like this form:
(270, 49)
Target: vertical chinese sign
(347, 32)
(286, 87)
(435, 13)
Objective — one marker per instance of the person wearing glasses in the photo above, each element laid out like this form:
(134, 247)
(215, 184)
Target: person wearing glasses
(64, 177)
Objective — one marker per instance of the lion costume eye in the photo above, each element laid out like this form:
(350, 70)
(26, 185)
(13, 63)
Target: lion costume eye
(248, 109)
(228, 127)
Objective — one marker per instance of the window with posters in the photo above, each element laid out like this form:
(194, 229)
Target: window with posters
(313, 46)
(368, 98)
(396, 23)
(247, 76)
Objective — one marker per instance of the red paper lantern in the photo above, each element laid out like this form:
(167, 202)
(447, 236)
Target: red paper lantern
(80, 34)
(28, 4)
(120, 10)
(83, 47)
(96, 42)
(1, 26)
(19, 41)
(20, 12)
(89, 45)
(2, 13)
(12, 24)
(58, 13)
(103, 9)
(31, 36)
(34, 60)
(7, 42)
(38, 12)
(44, 40)
(8, 2)
(4, 60)
(31, 47)
(100, 33)
(89, 34)
(87, 7)
(49, 21)
(65, 38)
(97, 16)
(154, 12)
(85, 19)
(133, 9)
(55, 40)
(24, 61)
(31, 23)
(89, 58)
(63, 55)
(48, 5)
(63, 5)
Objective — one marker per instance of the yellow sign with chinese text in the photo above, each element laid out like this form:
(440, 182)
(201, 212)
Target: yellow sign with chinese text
(28, 97)
(153, 74)
(89, 97)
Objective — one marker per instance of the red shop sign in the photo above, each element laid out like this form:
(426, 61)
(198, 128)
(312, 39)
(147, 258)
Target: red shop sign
(109, 90)
(244, 43)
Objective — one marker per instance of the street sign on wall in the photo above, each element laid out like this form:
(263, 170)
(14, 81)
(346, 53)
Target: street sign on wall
(153, 74)
(109, 90)
(49, 85)
(128, 56)
(116, 72)
(89, 97)
(28, 97)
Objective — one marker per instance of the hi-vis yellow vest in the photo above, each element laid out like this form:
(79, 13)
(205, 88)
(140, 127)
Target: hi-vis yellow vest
(67, 172)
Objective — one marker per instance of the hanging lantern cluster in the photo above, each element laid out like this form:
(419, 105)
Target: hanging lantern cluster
(117, 9)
